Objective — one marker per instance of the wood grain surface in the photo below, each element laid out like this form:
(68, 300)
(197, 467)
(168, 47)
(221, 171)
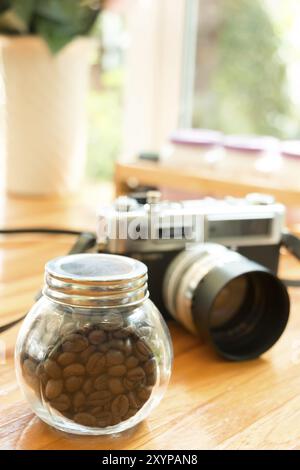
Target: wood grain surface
(210, 403)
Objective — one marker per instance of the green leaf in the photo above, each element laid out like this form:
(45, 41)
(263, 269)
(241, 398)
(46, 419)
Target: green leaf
(24, 9)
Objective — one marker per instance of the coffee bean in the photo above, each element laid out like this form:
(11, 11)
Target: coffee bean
(104, 420)
(86, 354)
(72, 384)
(115, 385)
(117, 371)
(95, 364)
(66, 358)
(75, 343)
(131, 362)
(41, 374)
(127, 348)
(88, 386)
(131, 412)
(136, 375)
(85, 419)
(150, 366)
(101, 382)
(114, 357)
(120, 405)
(143, 352)
(98, 398)
(151, 379)
(112, 322)
(128, 384)
(144, 393)
(79, 400)
(122, 333)
(133, 403)
(29, 367)
(97, 412)
(74, 370)
(53, 388)
(61, 403)
(97, 336)
(52, 369)
(104, 347)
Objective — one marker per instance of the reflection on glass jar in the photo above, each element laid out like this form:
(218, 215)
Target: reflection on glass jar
(94, 354)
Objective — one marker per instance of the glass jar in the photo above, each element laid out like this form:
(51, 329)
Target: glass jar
(194, 148)
(94, 355)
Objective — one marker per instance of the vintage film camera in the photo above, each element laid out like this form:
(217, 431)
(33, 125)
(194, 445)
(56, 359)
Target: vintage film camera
(212, 264)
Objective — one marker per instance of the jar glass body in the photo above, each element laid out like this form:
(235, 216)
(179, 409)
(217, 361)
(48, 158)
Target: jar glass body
(93, 370)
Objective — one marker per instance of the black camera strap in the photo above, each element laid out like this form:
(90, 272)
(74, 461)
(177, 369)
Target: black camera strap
(292, 243)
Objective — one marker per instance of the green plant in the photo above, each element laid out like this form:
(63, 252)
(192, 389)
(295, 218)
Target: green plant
(57, 21)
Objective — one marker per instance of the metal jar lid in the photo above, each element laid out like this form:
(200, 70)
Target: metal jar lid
(96, 280)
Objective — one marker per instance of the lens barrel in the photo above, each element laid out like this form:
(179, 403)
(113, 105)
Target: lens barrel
(235, 303)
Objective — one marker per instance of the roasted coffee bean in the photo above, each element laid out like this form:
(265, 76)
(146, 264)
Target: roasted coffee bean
(120, 406)
(99, 398)
(97, 336)
(128, 384)
(136, 375)
(144, 393)
(116, 344)
(53, 388)
(95, 364)
(101, 382)
(97, 412)
(131, 362)
(112, 322)
(41, 374)
(85, 419)
(104, 420)
(29, 367)
(131, 412)
(72, 384)
(61, 403)
(114, 357)
(143, 352)
(75, 343)
(74, 370)
(150, 366)
(79, 400)
(66, 358)
(127, 348)
(133, 402)
(104, 347)
(122, 333)
(52, 369)
(117, 371)
(86, 354)
(116, 386)
(151, 379)
(145, 331)
(88, 386)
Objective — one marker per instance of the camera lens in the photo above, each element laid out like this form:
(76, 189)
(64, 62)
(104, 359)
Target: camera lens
(228, 302)
(240, 306)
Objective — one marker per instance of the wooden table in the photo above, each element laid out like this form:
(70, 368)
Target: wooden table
(210, 404)
(199, 181)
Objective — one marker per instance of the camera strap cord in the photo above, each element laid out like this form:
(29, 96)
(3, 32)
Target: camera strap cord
(84, 242)
(87, 240)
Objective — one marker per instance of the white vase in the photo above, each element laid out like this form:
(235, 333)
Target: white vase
(45, 115)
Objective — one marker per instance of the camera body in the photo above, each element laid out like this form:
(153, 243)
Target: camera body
(157, 231)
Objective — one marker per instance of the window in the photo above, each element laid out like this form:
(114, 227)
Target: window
(246, 67)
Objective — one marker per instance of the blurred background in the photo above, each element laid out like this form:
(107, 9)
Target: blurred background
(163, 76)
